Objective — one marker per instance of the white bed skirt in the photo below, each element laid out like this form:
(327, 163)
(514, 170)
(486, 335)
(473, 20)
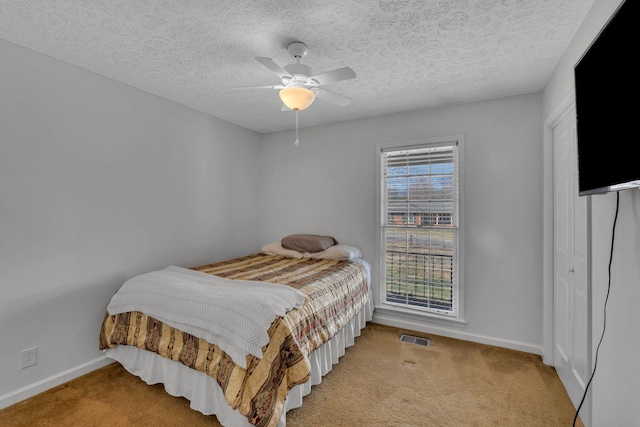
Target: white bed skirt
(205, 394)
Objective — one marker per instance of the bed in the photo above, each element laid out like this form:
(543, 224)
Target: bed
(303, 343)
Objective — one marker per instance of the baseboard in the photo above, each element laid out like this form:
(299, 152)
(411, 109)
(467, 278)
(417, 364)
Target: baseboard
(53, 381)
(421, 326)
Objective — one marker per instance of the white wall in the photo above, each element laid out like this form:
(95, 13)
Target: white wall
(99, 182)
(616, 385)
(331, 189)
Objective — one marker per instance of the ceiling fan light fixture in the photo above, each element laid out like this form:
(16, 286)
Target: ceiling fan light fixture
(297, 98)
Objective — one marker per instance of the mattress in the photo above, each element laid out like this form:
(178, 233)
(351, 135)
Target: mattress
(304, 343)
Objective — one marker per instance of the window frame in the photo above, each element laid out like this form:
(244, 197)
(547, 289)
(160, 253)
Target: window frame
(380, 292)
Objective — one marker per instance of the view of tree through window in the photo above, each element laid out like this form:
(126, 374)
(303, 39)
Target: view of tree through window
(419, 227)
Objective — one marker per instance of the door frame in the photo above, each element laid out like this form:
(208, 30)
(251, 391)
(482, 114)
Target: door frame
(548, 331)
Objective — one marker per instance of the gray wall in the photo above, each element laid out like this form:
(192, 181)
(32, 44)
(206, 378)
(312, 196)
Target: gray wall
(331, 189)
(616, 385)
(99, 182)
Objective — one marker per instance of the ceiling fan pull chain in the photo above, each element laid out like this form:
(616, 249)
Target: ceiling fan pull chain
(297, 141)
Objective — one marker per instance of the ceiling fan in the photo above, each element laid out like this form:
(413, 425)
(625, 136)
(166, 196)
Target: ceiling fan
(299, 87)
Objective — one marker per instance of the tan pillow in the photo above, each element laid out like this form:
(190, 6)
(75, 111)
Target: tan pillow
(308, 243)
(276, 248)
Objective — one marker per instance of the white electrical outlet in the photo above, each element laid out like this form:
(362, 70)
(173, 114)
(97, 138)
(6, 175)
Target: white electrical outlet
(29, 357)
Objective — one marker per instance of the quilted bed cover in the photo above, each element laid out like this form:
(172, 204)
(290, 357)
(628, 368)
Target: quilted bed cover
(335, 291)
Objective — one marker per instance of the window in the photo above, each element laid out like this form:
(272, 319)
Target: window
(419, 261)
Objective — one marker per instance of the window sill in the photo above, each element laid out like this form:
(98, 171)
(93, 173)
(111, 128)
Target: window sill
(396, 311)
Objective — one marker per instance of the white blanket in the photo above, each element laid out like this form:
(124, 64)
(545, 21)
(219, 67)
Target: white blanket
(235, 315)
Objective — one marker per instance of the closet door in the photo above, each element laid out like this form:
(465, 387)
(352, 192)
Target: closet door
(572, 319)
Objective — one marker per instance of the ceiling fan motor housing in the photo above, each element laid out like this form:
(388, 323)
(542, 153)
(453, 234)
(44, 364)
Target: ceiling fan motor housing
(299, 72)
(298, 69)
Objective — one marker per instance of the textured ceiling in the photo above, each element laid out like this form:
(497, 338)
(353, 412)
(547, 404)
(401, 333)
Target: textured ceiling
(408, 54)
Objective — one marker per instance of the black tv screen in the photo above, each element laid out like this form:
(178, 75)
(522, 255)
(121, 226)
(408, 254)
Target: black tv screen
(606, 89)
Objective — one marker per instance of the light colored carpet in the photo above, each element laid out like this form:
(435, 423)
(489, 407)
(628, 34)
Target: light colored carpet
(380, 382)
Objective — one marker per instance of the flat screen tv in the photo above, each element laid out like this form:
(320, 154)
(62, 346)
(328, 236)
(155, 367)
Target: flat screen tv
(606, 89)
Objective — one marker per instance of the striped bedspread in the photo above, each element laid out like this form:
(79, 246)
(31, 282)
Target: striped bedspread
(335, 290)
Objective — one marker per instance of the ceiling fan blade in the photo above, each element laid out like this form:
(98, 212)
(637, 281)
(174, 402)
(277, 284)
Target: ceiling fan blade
(332, 97)
(260, 87)
(335, 76)
(268, 62)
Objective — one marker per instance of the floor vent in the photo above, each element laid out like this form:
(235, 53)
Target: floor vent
(415, 340)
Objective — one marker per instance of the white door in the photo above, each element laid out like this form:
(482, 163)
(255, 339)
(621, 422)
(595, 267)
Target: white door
(572, 314)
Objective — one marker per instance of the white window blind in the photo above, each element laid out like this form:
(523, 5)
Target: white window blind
(419, 227)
